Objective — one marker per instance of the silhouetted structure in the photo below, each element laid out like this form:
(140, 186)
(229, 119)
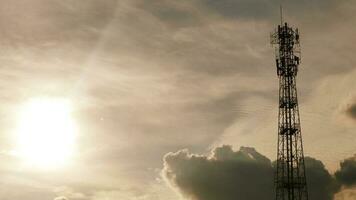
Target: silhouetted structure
(290, 177)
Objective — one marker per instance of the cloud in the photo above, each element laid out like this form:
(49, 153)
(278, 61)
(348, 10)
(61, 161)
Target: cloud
(351, 111)
(241, 8)
(321, 184)
(347, 172)
(224, 175)
(64, 20)
(61, 198)
(228, 174)
(268, 10)
(191, 13)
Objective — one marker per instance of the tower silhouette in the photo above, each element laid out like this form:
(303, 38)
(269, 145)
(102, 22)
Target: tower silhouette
(290, 179)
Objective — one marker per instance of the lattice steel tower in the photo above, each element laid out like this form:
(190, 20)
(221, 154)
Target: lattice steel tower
(290, 180)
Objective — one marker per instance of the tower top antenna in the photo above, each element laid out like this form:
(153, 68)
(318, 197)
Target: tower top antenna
(281, 13)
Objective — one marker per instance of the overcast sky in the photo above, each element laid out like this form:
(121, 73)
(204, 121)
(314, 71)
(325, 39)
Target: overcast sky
(152, 77)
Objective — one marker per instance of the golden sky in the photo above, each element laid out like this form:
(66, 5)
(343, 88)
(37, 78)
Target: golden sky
(94, 93)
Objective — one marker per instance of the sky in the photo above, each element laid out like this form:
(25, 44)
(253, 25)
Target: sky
(167, 96)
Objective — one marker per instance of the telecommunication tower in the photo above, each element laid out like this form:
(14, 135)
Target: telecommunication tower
(290, 179)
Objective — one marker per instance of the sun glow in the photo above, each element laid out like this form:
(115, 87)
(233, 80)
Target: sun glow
(45, 134)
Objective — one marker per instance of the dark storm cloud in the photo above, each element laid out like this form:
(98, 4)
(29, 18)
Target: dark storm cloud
(347, 172)
(228, 174)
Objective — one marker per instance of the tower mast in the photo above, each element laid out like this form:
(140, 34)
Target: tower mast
(290, 179)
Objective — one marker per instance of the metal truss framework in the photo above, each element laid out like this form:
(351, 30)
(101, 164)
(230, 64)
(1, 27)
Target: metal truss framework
(290, 179)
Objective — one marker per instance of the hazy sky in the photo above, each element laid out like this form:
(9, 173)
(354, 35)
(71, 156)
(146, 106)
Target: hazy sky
(150, 77)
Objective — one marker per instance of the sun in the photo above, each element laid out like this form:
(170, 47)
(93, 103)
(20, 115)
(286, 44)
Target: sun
(46, 132)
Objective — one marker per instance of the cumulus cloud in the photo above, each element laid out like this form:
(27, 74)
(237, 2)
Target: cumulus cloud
(321, 184)
(228, 174)
(347, 172)
(224, 175)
